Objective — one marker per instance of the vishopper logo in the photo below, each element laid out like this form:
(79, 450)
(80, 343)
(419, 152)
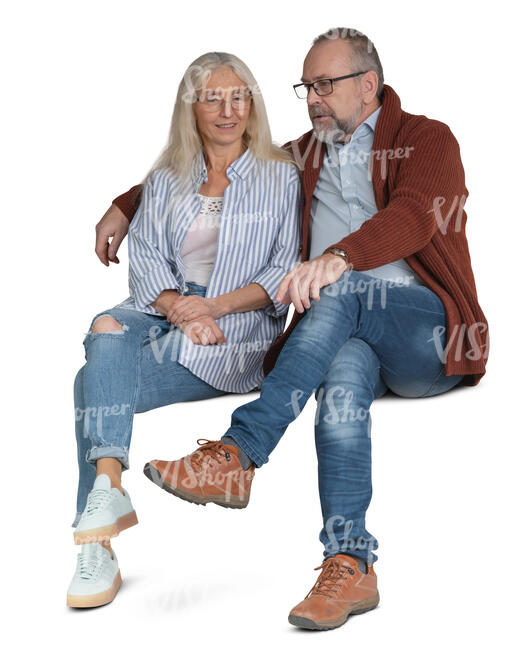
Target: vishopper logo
(203, 75)
(367, 159)
(352, 283)
(236, 357)
(233, 356)
(92, 417)
(347, 32)
(349, 543)
(178, 212)
(338, 405)
(211, 220)
(203, 469)
(455, 208)
(383, 156)
(459, 334)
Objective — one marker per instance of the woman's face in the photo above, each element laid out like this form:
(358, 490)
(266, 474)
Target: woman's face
(223, 107)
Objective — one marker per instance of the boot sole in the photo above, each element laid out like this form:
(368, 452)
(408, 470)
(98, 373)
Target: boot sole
(154, 476)
(96, 600)
(360, 608)
(104, 533)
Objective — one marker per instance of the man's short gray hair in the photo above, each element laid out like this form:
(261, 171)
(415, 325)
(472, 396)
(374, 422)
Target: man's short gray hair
(364, 54)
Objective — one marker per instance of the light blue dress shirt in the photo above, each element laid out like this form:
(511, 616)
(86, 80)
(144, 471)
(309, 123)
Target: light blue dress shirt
(258, 241)
(344, 198)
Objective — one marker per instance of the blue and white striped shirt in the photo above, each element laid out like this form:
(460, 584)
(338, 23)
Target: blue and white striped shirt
(258, 241)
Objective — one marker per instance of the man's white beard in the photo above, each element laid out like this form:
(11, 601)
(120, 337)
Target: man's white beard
(337, 132)
(328, 135)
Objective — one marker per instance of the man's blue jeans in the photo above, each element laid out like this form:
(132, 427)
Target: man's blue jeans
(127, 371)
(362, 337)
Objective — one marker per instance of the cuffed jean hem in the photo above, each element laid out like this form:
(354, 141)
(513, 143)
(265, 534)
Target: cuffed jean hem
(120, 453)
(257, 459)
(351, 553)
(76, 520)
(355, 552)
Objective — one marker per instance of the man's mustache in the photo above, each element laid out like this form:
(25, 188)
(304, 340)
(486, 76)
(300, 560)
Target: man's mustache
(317, 113)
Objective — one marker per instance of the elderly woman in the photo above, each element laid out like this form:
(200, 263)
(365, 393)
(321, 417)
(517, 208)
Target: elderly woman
(216, 231)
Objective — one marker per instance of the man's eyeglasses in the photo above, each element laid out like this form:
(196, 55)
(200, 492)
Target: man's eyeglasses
(321, 86)
(213, 101)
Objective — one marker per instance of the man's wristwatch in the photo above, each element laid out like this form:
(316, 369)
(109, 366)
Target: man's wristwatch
(339, 253)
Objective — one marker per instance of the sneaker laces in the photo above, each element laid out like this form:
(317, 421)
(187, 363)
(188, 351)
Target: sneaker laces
(89, 565)
(97, 500)
(328, 582)
(208, 449)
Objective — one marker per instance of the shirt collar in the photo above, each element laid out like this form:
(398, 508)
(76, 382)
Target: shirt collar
(241, 167)
(361, 130)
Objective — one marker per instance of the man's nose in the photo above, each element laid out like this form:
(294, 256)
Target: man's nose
(313, 98)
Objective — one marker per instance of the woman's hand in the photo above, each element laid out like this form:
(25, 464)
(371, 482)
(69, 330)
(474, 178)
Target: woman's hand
(203, 330)
(306, 280)
(188, 308)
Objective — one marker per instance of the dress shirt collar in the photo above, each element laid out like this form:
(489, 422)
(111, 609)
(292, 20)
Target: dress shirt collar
(367, 126)
(241, 167)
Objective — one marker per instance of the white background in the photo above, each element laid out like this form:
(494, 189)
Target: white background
(88, 93)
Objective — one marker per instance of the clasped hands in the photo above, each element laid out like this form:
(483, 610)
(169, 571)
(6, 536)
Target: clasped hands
(196, 317)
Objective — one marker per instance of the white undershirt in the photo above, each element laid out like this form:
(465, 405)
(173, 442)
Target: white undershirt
(198, 250)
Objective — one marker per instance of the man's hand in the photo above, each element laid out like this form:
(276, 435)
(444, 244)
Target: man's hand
(203, 330)
(305, 280)
(113, 224)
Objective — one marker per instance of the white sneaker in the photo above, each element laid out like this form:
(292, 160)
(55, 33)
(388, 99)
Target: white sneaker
(97, 577)
(106, 514)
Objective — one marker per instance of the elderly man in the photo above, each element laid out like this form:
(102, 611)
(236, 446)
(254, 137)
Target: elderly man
(384, 298)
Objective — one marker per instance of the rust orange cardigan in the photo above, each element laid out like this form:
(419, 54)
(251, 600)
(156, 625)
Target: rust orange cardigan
(419, 189)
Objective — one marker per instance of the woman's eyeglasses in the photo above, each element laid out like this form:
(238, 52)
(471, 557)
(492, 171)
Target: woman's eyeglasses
(214, 101)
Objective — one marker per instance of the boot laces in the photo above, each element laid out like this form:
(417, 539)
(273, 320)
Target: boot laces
(330, 579)
(208, 449)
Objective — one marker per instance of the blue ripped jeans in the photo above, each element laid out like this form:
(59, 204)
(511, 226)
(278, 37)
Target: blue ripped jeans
(127, 371)
(362, 337)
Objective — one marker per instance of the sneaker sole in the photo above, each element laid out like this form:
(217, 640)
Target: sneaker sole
(154, 476)
(96, 600)
(360, 608)
(104, 533)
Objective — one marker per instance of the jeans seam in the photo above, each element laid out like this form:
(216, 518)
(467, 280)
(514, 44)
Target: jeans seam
(433, 382)
(248, 449)
(145, 333)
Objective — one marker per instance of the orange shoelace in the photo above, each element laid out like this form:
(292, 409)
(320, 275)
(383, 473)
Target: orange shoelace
(329, 581)
(207, 449)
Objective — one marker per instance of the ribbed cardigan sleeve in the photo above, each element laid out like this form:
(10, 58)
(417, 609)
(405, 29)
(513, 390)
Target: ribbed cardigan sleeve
(129, 201)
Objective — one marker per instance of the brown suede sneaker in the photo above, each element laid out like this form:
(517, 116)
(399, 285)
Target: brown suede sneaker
(211, 474)
(341, 590)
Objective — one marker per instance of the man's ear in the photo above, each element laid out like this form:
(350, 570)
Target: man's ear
(369, 87)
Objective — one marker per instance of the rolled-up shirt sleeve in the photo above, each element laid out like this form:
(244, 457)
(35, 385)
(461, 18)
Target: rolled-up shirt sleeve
(151, 268)
(285, 252)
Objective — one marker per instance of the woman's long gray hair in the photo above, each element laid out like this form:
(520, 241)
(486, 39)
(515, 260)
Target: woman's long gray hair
(184, 141)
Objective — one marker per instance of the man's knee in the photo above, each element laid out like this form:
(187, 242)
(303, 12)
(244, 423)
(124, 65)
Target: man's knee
(106, 324)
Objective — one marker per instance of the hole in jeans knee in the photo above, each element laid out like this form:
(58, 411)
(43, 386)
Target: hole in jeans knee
(106, 324)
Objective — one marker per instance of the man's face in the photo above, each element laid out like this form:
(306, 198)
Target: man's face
(334, 117)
